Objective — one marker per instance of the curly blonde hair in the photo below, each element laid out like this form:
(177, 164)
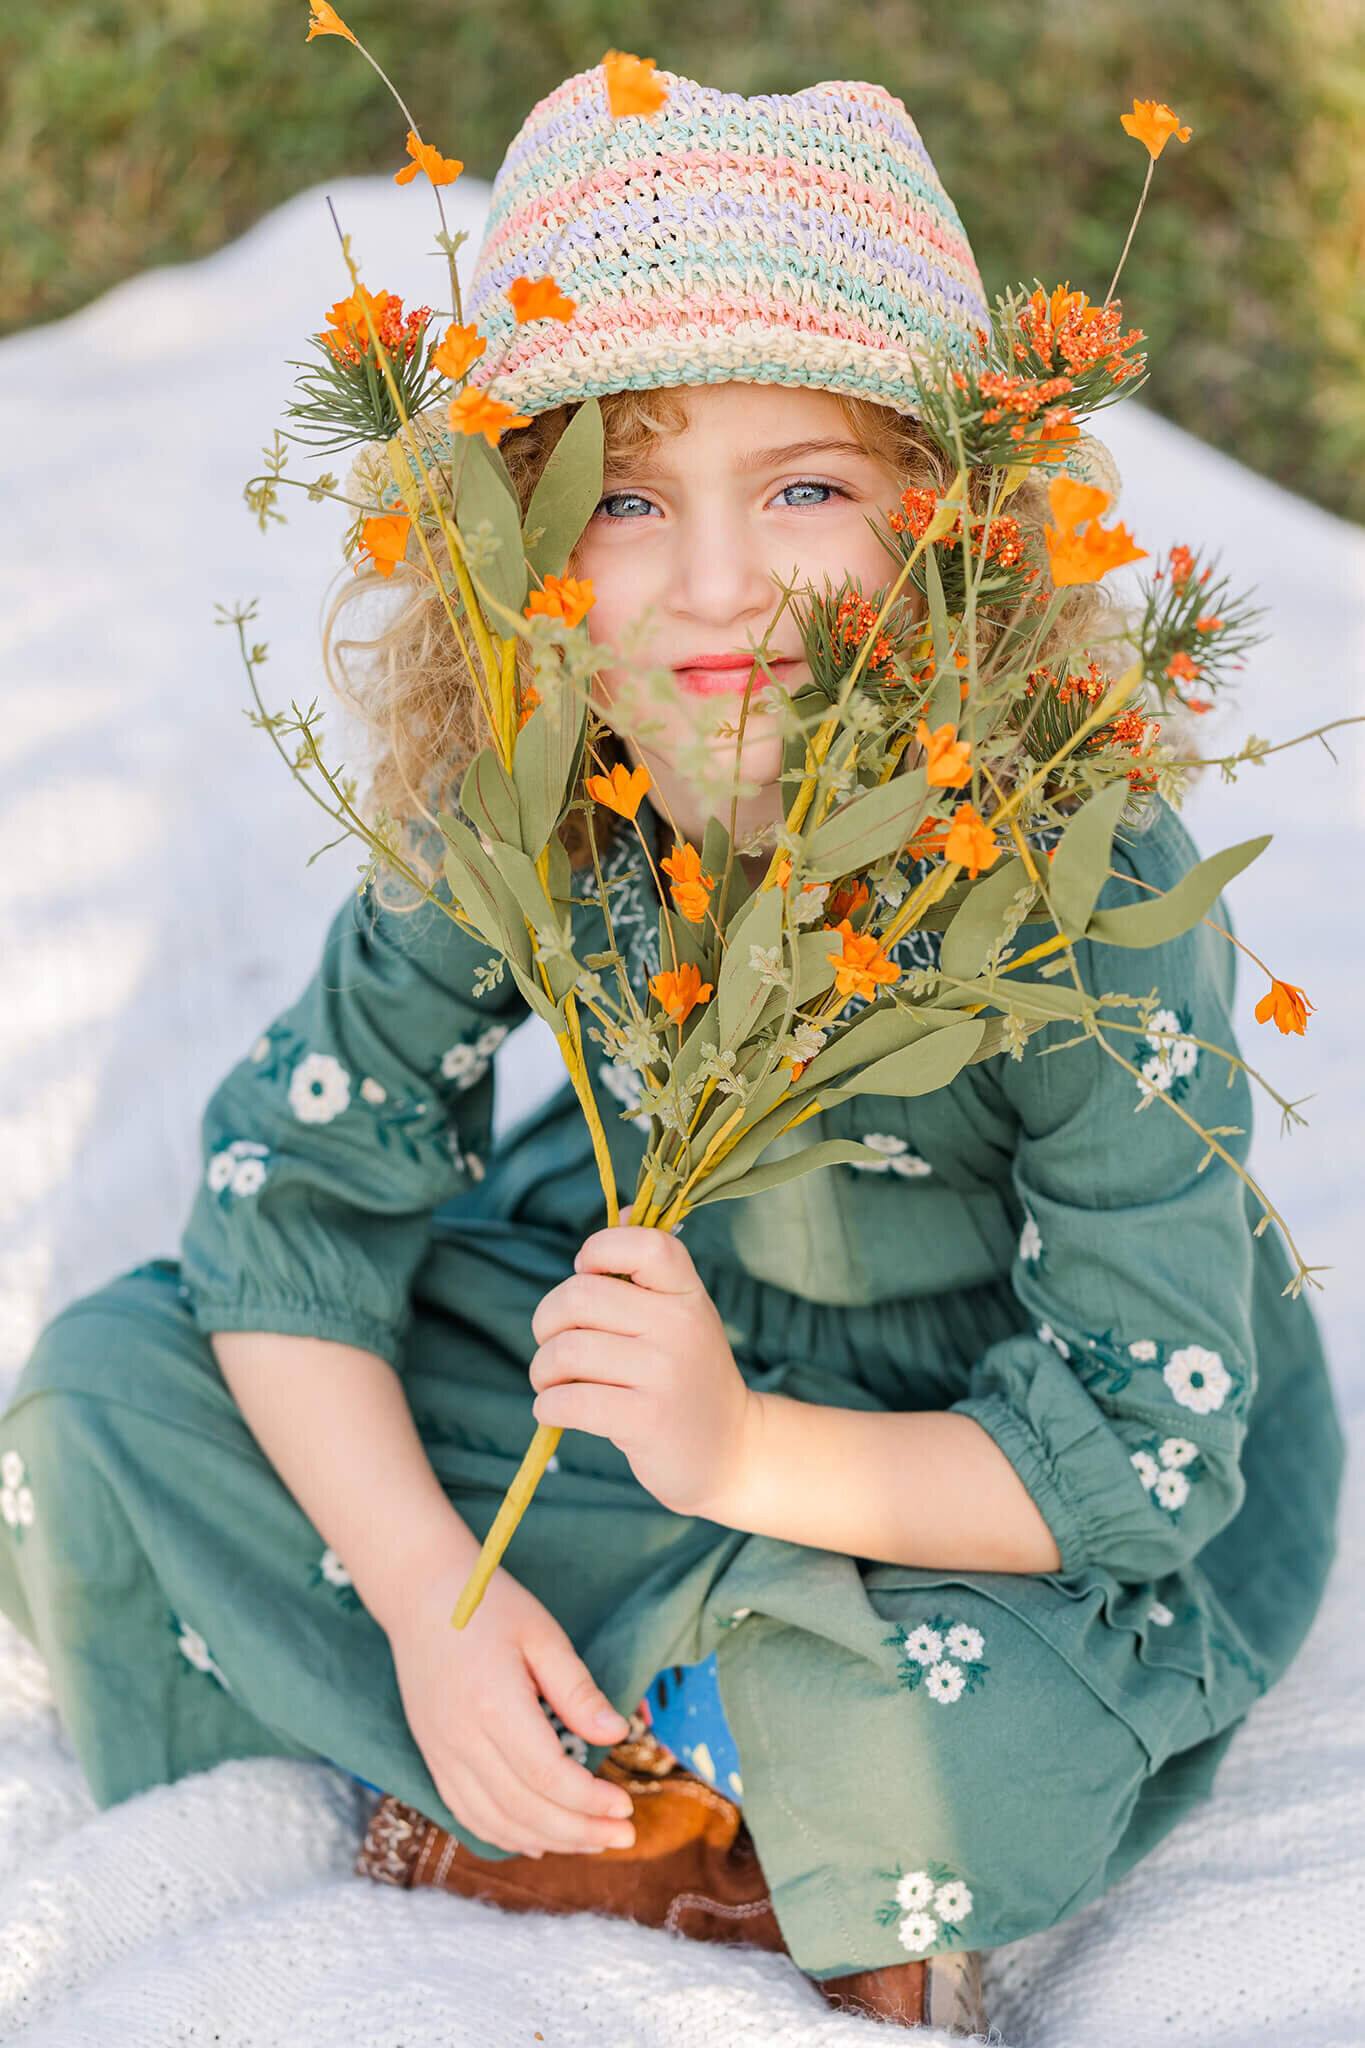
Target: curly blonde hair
(411, 691)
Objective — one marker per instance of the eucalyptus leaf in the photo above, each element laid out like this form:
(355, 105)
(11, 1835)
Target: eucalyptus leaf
(833, 1152)
(1080, 866)
(482, 894)
(875, 822)
(488, 799)
(1165, 917)
(715, 851)
(740, 995)
(543, 762)
(931, 1062)
(981, 919)
(879, 1029)
(485, 493)
(569, 488)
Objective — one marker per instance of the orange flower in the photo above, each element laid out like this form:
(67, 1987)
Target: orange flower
(782, 873)
(928, 839)
(631, 85)
(325, 21)
(1208, 622)
(473, 412)
(564, 597)
(1182, 567)
(1181, 669)
(1072, 503)
(1085, 557)
(528, 700)
(542, 300)
(622, 790)
(347, 327)
(461, 347)
(1287, 1005)
(970, 841)
(442, 170)
(385, 540)
(681, 992)
(948, 756)
(844, 902)
(1152, 122)
(861, 964)
(691, 889)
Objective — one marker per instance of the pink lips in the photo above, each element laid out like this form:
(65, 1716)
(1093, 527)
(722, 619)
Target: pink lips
(720, 675)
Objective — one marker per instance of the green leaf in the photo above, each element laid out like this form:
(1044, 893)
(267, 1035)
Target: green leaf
(918, 1069)
(488, 799)
(814, 970)
(543, 762)
(1080, 866)
(482, 894)
(980, 920)
(486, 492)
(833, 1152)
(938, 615)
(879, 1029)
(873, 823)
(715, 851)
(1165, 917)
(569, 489)
(740, 995)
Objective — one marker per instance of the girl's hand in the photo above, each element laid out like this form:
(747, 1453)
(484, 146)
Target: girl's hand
(472, 1700)
(645, 1362)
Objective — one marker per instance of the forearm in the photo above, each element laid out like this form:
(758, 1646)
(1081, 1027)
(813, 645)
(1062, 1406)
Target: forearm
(334, 1422)
(928, 1488)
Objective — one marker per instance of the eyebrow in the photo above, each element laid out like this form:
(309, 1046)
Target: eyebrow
(770, 458)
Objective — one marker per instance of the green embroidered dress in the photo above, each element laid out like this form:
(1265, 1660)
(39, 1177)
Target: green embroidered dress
(928, 1757)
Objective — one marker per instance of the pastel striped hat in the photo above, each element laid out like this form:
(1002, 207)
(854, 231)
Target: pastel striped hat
(790, 238)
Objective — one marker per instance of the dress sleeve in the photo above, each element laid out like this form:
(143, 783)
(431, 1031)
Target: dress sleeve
(1125, 1409)
(356, 1113)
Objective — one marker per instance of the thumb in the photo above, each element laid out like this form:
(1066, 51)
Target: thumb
(566, 1682)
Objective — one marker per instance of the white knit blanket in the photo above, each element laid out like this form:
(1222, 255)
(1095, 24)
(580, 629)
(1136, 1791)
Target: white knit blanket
(157, 909)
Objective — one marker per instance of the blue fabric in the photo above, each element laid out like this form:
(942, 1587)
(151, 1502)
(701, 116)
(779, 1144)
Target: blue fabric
(687, 1716)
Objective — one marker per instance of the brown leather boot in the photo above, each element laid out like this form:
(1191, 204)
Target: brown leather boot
(692, 1867)
(943, 1991)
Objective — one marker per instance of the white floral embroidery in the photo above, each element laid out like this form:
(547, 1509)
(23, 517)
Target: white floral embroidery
(1030, 1242)
(1176, 1451)
(11, 1470)
(464, 1064)
(552, 1462)
(1172, 1489)
(240, 1167)
(319, 1088)
(473, 1166)
(924, 1645)
(1146, 1467)
(260, 1050)
(196, 1652)
(915, 1891)
(1198, 1378)
(373, 1091)
(1159, 1613)
(490, 1038)
(1049, 1336)
(965, 1642)
(917, 1932)
(625, 1084)
(895, 1156)
(1144, 1350)
(16, 1499)
(1173, 1058)
(945, 1683)
(953, 1901)
(333, 1570)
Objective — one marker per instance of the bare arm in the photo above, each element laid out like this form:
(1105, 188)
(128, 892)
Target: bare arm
(334, 1422)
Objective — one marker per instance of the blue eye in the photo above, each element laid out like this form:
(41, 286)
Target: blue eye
(604, 502)
(806, 485)
(812, 486)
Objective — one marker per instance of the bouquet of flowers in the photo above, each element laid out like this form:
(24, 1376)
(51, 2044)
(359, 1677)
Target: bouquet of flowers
(928, 785)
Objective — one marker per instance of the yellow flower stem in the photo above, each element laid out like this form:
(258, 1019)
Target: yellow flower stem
(514, 1505)
(508, 704)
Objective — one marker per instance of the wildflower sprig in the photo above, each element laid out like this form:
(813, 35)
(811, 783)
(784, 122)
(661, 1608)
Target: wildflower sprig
(1192, 629)
(346, 394)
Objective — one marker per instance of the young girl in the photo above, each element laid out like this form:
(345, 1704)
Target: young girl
(946, 1512)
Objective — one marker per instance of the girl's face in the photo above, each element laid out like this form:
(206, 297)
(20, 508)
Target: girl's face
(765, 484)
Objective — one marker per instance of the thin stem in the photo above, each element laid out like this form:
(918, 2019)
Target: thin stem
(1151, 166)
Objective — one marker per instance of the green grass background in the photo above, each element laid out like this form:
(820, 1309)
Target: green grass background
(139, 132)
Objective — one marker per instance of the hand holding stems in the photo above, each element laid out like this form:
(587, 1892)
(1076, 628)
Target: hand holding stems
(632, 1348)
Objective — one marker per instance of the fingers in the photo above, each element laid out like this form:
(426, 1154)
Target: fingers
(548, 1798)
(652, 1258)
(590, 1301)
(606, 1411)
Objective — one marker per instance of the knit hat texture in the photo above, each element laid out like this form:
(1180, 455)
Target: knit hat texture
(789, 238)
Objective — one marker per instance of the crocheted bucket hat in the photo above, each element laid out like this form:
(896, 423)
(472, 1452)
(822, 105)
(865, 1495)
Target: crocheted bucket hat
(790, 238)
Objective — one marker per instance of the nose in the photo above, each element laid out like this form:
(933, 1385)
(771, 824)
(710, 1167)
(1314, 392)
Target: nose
(722, 577)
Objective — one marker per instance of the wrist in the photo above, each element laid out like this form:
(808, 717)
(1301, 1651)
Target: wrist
(440, 1543)
(732, 1504)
